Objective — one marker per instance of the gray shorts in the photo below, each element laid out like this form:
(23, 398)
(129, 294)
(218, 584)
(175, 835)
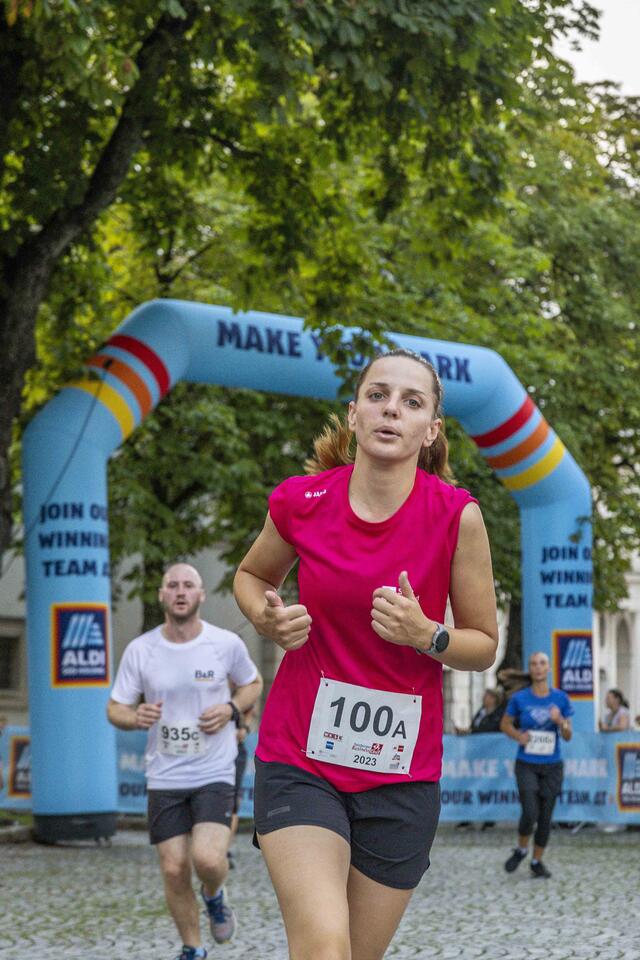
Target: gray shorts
(390, 829)
(172, 813)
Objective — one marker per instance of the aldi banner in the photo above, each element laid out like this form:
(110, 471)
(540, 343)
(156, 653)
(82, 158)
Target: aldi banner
(15, 768)
(601, 776)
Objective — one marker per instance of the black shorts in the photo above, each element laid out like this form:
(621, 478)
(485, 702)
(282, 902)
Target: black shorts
(172, 813)
(544, 779)
(390, 829)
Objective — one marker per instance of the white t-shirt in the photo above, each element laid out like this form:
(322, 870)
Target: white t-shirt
(187, 678)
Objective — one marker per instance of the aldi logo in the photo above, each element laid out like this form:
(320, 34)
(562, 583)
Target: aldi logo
(573, 663)
(19, 778)
(79, 645)
(628, 776)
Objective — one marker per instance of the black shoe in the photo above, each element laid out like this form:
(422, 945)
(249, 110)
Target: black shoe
(514, 861)
(231, 859)
(488, 824)
(463, 824)
(539, 870)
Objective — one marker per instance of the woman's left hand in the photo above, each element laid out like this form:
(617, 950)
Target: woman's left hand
(398, 618)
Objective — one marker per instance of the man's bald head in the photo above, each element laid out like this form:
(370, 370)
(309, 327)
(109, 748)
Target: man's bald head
(181, 592)
(182, 571)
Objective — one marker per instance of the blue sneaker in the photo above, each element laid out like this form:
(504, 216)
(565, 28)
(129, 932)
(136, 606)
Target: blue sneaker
(192, 953)
(222, 919)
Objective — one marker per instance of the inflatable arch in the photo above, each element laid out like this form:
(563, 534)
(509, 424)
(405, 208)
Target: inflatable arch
(66, 448)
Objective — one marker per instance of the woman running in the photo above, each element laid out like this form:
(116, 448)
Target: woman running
(349, 756)
(542, 717)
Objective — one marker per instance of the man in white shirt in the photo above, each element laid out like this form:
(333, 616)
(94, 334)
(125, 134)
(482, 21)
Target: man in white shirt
(174, 682)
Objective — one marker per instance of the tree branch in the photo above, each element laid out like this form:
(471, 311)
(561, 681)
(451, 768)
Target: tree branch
(126, 139)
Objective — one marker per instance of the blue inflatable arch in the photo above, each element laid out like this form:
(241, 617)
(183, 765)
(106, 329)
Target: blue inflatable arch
(68, 582)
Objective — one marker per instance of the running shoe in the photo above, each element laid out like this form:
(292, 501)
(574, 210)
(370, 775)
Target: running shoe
(539, 870)
(192, 953)
(221, 917)
(514, 860)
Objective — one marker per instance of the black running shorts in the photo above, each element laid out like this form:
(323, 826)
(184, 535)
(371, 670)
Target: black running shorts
(172, 813)
(390, 829)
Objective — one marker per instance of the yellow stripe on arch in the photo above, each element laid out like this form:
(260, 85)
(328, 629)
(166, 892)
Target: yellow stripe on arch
(112, 400)
(539, 470)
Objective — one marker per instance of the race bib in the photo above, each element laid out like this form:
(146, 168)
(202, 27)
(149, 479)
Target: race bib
(542, 743)
(362, 728)
(180, 738)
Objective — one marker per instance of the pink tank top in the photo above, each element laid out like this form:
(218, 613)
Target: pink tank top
(343, 559)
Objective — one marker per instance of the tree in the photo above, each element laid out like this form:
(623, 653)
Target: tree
(97, 97)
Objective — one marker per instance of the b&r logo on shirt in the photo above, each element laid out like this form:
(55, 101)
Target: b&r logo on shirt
(204, 675)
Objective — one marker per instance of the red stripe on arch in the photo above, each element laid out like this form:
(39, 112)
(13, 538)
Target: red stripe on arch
(147, 356)
(504, 431)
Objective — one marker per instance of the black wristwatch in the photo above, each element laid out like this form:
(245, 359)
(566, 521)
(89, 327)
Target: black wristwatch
(235, 713)
(439, 640)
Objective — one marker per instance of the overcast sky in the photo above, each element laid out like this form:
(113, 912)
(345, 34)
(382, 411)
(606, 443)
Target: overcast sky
(616, 56)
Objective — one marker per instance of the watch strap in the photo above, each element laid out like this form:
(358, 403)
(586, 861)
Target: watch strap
(235, 713)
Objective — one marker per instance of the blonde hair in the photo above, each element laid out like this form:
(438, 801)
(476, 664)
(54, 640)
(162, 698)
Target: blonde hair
(335, 446)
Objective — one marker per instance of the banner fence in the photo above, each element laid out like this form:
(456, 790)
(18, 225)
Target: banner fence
(601, 776)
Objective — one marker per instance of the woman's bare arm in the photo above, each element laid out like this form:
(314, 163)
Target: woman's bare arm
(256, 584)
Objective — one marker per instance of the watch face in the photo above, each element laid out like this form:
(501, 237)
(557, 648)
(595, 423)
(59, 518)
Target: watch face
(440, 640)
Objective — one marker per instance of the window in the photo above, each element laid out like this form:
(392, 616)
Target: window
(602, 630)
(13, 685)
(9, 647)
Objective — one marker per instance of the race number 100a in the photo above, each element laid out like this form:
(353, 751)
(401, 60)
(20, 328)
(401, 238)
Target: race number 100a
(359, 727)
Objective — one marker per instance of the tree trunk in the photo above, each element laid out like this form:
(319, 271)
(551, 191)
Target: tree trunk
(26, 275)
(18, 312)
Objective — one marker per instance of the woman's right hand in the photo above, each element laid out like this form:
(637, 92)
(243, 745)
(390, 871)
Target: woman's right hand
(523, 738)
(287, 626)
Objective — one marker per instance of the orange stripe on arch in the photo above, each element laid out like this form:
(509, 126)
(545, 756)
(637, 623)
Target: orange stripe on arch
(522, 450)
(540, 470)
(126, 375)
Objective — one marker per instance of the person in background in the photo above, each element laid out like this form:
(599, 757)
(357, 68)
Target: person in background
(487, 718)
(537, 717)
(244, 727)
(174, 682)
(618, 716)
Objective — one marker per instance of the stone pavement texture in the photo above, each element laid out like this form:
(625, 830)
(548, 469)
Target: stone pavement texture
(82, 902)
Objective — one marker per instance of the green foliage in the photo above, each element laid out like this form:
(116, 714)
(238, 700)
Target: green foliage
(425, 167)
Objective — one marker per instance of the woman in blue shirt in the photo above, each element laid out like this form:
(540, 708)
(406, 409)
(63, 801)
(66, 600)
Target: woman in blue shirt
(536, 718)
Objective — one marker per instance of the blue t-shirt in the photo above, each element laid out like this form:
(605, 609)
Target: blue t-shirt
(533, 714)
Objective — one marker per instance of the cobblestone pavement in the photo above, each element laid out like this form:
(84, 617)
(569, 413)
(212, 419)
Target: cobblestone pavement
(82, 902)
